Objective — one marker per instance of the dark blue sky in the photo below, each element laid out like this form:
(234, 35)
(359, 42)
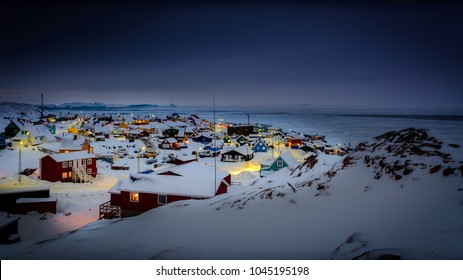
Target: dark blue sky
(397, 55)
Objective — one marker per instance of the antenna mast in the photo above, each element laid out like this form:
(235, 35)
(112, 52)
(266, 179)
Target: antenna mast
(41, 108)
(215, 147)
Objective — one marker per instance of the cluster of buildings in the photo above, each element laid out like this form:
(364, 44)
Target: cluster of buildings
(70, 151)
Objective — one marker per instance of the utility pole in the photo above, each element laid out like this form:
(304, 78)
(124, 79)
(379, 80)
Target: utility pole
(19, 164)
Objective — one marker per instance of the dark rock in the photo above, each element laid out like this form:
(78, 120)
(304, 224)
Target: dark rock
(398, 177)
(456, 146)
(448, 171)
(435, 169)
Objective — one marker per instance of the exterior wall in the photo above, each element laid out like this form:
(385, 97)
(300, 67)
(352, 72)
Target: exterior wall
(50, 170)
(223, 187)
(147, 201)
(115, 199)
(11, 130)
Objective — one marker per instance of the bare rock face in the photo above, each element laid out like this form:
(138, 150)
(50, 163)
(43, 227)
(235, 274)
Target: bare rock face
(397, 154)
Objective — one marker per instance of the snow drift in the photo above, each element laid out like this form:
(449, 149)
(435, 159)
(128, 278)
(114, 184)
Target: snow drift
(398, 196)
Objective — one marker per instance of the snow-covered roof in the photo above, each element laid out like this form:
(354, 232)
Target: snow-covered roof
(72, 156)
(290, 160)
(244, 150)
(72, 142)
(39, 130)
(195, 179)
(171, 140)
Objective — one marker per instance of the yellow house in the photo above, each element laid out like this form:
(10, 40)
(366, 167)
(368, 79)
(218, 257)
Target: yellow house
(73, 130)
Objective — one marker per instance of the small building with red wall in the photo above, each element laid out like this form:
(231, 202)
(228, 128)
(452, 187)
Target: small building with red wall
(68, 167)
(142, 192)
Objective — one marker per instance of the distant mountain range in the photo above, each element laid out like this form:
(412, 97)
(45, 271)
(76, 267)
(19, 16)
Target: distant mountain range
(100, 106)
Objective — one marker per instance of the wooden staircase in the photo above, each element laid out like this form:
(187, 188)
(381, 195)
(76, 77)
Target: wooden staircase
(108, 211)
(80, 174)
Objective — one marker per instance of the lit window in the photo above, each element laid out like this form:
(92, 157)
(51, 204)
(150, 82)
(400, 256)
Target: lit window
(64, 175)
(89, 171)
(162, 199)
(65, 164)
(89, 161)
(279, 163)
(70, 174)
(134, 197)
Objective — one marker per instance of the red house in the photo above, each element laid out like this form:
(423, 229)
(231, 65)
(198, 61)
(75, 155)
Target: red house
(294, 143)
(68, 167)
(142, 192)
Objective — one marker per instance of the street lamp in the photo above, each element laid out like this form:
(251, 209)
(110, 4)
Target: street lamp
(19, 164)
(138, 166)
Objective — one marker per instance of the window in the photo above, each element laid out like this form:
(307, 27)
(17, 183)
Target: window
(89, 171)
(89, 161)
(162, 199)
(64, 175)
(70, 164)
(70, 174)
(65, 164)
(134, 197)
(280, 163)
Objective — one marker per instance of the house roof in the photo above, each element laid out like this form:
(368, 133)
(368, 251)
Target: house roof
(40, 130)
(244, 150)
(72, 156)
(290, 160)
(195, 180)
(171, 140)
(69, 143)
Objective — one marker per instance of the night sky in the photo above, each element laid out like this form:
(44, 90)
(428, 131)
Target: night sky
(243, 52)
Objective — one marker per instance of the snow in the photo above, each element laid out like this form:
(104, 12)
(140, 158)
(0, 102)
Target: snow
(35, 199)
(297, 213)
(72, 156)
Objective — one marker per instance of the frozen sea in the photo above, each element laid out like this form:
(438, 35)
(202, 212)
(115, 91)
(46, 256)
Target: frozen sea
(340, 125)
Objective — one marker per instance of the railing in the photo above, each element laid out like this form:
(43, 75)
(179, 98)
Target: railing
(80, 173)
(108, 211)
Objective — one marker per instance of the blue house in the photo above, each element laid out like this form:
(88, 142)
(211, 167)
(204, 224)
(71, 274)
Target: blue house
(260, 146)
(203, 139)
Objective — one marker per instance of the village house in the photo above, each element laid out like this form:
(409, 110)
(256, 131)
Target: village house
(241, 140)
(227, 140)
(33, 135)
(142, 192)
(203, 139)
(242, 153)
(260, 146)
(170, 132)
(74, 143)
(68, 167)
(294, 143)
(13, 128)
(169, 144)
(240, 130)
(286, 159)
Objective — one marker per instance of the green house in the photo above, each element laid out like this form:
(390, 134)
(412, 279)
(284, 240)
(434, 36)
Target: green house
(286, 159)
(227, 139)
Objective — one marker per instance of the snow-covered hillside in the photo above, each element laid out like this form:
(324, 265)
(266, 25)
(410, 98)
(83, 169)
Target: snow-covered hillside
(397, 196)
(10, 110)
